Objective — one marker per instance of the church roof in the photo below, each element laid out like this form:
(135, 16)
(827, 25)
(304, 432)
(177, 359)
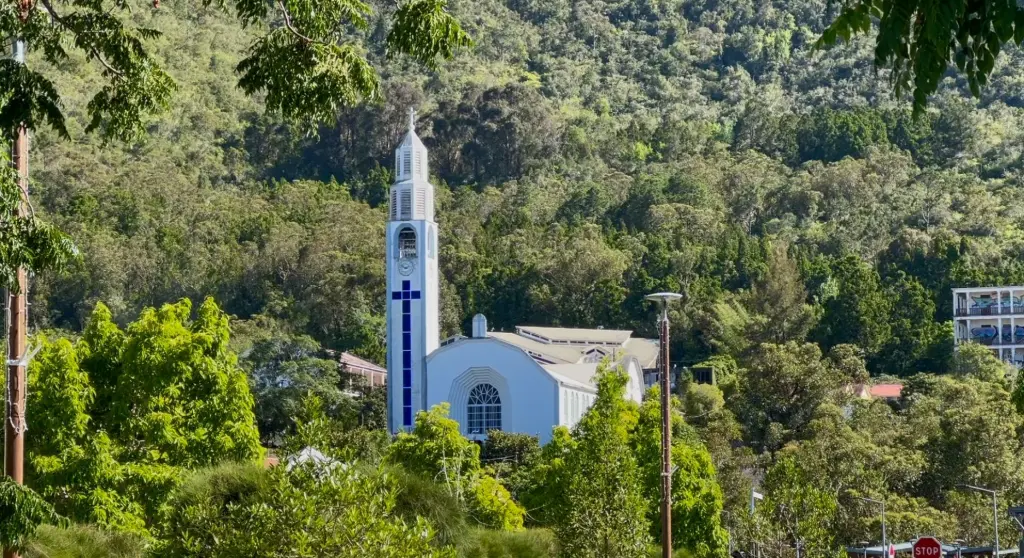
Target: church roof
(558, 354)
(579, 343)
(568, 335)
(579, 373)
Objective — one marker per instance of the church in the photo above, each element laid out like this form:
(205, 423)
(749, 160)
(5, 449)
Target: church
(527, 381)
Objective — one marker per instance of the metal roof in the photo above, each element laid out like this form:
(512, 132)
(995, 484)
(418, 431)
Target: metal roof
(578, 336)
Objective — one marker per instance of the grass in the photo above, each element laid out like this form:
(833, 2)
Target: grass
(83, 541)
(488, 543)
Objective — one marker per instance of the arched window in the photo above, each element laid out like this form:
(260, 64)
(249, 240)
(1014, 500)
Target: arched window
(484, 409)
(407, 244)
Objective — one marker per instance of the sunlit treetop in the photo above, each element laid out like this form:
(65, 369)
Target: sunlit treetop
(306, 64)
(920, 39)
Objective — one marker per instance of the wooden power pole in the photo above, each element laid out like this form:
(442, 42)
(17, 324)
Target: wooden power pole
(666, 441)
(14, 423)
(666, 421)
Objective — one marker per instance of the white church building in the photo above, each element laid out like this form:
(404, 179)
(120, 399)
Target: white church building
(528, 381)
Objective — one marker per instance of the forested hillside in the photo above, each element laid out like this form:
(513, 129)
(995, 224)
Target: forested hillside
(587, 153)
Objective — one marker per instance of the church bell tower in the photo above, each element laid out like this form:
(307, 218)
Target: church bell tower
(412, 287)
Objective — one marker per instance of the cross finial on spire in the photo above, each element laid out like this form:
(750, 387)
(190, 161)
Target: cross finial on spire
(412, 119)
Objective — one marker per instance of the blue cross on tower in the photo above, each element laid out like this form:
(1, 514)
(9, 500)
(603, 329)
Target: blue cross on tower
(406, 295)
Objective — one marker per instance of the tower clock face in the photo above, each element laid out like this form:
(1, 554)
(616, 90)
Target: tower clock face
(405, 266)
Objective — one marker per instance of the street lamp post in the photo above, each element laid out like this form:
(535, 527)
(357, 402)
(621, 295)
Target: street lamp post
(995, 510)
(885, 541)
(666, 423)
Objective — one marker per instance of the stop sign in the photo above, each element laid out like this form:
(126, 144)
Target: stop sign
(927, 547)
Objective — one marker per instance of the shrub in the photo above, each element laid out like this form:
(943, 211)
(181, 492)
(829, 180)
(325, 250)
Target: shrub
(529, 543)
(419, 496)
(313, 509)
(493, 506)
(83, 541)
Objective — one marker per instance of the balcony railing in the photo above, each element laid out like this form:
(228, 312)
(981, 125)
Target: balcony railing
(992, 336)
(991, 310)
(997, 341)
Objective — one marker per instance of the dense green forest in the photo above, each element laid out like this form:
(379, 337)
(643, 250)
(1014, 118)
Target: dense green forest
(585, 153)
(653, 145)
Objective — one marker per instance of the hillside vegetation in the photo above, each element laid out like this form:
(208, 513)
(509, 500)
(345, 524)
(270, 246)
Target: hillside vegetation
(587, 153)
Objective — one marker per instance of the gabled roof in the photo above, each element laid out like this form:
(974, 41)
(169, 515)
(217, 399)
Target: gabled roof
(580, 344)
(578, 373)
(886, 391)
(558, 335)
(351, 360)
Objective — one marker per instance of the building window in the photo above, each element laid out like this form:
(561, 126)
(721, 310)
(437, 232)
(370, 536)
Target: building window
(484, 409)
(407, 244)
(407, 163)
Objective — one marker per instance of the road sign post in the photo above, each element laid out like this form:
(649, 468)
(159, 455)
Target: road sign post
(927, 547)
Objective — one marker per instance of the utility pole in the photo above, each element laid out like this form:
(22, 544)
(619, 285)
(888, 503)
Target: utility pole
(885, 541)
(995, 511)
(666, 424)
(14, 425)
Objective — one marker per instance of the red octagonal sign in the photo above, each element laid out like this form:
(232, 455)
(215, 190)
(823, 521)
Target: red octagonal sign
(927, 547)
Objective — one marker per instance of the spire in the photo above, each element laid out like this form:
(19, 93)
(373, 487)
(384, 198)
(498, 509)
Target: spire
(412, 119)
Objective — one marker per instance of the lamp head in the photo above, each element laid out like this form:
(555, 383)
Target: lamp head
(663, 298)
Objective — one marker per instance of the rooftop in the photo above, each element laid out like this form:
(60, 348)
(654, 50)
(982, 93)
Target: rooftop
(575, 336)
(579, 344)
(351, 360)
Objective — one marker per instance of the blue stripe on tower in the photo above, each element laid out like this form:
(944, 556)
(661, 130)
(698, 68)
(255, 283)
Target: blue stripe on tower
(406, 295)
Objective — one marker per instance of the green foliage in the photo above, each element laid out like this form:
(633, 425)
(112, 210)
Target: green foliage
(284, 369)
(22, 511)
(782, 389)
(492, 506)
(544, 494)
(830, 135)
(920, 43)
(529, 543)
(307, 69)
(437, 450)
(802, 510)
(977, 361)
(604, 509)
(696, 495)
(242, 510)
(179, 388)
(417, 496)
(83, 541)
(119, 413)
(25, 240)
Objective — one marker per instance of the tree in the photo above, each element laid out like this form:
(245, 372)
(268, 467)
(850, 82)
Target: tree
(604, 509)
(180, 390)
(973, 360)
(799, 510)
(781, 300)
(167, 395)
(920, 43)
(22, 511)
(307, 68)
(245, 510)
(781, 389)
(437, 450)
(282, 370)
(27, 241)
(696, 495)
(858, 311)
